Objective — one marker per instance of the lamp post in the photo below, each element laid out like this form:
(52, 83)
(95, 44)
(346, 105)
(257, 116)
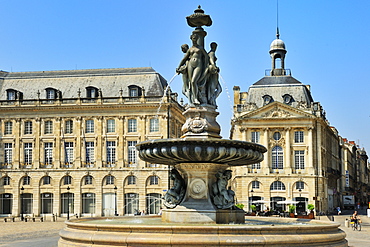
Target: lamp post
(300, 191)
(68, 202)
(22, 189)
(115, 201)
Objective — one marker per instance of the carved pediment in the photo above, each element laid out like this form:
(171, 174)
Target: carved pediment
(276, 113)
(276, 110)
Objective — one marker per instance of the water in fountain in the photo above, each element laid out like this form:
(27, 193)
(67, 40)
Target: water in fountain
(164, 95)
(228, 94)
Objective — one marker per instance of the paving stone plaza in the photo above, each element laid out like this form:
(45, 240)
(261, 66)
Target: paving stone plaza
(32, 234)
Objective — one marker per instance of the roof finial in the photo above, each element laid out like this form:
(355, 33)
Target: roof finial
(277, 20)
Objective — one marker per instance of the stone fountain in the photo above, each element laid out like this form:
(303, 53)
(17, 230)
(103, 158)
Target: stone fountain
(200, 208)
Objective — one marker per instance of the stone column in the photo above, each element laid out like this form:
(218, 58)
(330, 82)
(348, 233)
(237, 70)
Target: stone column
(310, 168)
(266, 161)
(288, 155)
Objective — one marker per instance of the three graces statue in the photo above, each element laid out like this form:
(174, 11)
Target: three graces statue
(199, 73)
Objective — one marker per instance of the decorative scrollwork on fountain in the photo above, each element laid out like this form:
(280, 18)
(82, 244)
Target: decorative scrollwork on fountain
(223, 198)
(174, 196)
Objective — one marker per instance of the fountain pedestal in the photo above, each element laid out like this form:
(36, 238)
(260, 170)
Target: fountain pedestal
(201, 122)
(197, 205)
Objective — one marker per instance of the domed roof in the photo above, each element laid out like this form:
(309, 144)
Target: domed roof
(277, 44)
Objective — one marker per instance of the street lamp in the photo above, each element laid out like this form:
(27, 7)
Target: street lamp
(22, 189)
(68, 202)
(115, 201)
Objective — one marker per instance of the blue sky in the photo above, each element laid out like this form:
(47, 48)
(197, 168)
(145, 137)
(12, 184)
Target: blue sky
(327, 42)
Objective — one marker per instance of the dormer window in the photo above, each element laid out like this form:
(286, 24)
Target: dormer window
(267, 99)
(51, 93)
(288, 99)
(12, 94)
(134, 91)
(92, 92)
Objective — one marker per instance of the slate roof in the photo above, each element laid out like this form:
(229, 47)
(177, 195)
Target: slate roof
(110, 81)
(272, 80)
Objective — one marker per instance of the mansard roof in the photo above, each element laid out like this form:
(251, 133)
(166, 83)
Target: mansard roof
(69, 82)
(276, 80)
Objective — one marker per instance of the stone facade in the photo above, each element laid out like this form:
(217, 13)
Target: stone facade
(68, 138)
(304, 162)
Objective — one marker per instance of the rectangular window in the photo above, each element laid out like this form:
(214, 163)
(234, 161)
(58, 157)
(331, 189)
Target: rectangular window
(10, 95)
(132, 126)
(90, 152)
(28, 128)
(69, 127)
(8, 153)
(298, 136)
(111, 125)
(299, 159)
(88, 203)
(8, 128)
(255, 136)
(89, 126)
(48, 127)
(154, 125)
(132, 156)
(50, 94)
(68, 152)
(277, 158)
(28, 153)
(134, 92)
(256, 166)
(111, 152)
(48, 149)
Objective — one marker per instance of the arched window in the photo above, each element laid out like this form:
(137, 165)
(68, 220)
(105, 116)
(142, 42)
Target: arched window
(26, 180)
(255, 184)
(6, 180)
(131, 180)
(267, 99)
(109, 179)
(88, 179)
(277, 185)
(153, 180)
(277, 157)
(46, 180)
(67, 180)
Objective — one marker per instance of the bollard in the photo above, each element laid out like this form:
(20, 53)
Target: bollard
(346, 223)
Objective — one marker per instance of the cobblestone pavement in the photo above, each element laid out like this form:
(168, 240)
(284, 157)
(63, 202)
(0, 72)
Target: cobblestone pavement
(46, 234)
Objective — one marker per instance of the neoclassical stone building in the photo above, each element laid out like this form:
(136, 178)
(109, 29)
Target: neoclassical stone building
(68, 141)
(304, 162)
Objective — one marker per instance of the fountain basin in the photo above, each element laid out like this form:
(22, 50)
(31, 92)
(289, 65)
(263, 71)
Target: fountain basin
(200, 150)
(150, 231)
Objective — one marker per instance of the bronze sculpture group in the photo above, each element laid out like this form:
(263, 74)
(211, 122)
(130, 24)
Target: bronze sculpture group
(199, 73)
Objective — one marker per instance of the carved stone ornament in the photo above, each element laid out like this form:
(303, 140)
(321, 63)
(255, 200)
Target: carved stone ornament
(197, 189)
(276, 113)
(197, 125)
(176, 194)
(222, 197)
